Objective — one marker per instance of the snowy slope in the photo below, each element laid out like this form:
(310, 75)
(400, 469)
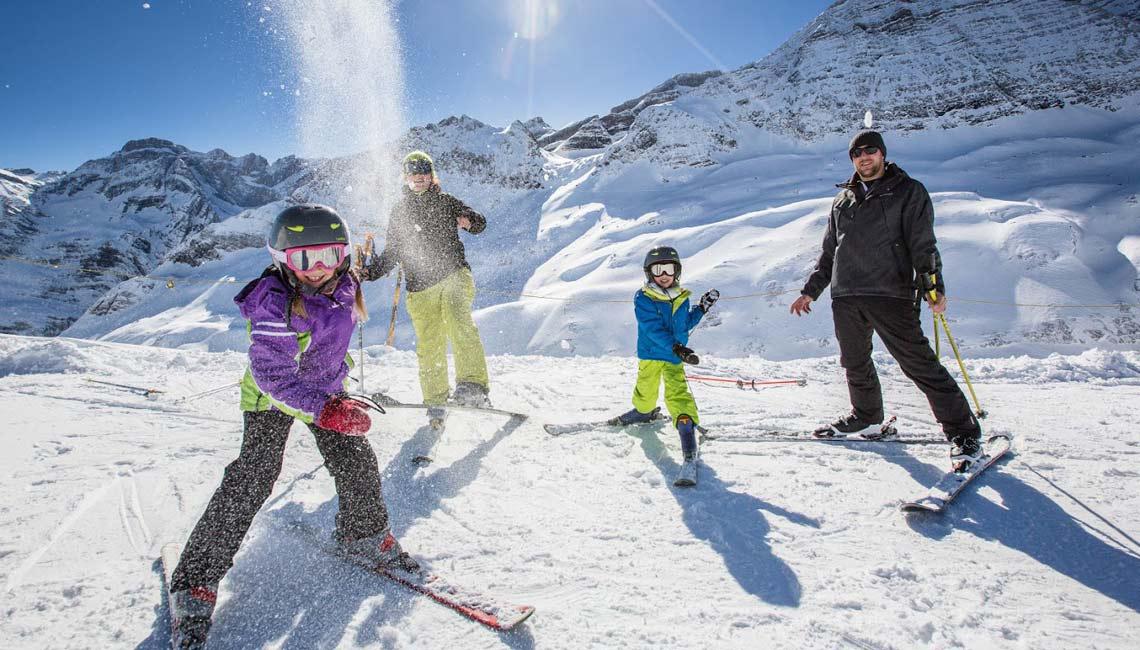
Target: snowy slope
(782, 545)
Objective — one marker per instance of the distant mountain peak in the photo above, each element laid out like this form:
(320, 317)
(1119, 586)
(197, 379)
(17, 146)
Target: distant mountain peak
(151, 143)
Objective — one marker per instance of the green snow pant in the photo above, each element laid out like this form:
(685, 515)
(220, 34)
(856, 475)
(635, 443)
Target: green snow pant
(678, 399)
(439, 313)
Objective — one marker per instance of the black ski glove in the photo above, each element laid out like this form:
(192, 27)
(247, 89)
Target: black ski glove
(709, 299)
(687, 355)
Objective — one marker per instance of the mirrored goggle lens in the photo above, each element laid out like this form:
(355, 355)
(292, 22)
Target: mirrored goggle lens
(304, 259)
(663, 268)
(417, 167)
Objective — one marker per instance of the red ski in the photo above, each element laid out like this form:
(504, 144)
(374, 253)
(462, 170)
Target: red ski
(492, 612)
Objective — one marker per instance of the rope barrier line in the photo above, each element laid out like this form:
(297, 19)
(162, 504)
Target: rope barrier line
(1115, 305)
(172, 281)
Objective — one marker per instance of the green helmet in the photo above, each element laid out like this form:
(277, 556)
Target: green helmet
(418, 162)
(659, 254)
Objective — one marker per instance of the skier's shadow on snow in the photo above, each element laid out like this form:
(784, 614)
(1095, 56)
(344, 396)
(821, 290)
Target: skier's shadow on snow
(732, 524)
(413, 494)
(1028, 521)
(284, 590)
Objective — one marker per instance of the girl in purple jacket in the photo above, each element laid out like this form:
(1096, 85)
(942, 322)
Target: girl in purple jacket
(301, 314)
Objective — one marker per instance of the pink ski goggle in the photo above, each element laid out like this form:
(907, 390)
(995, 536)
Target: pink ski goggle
(307, 258)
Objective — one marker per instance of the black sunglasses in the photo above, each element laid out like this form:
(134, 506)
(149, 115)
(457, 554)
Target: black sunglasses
(417, 167)
(859, 151)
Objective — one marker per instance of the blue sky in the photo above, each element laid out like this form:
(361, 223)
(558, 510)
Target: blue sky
(78, 78)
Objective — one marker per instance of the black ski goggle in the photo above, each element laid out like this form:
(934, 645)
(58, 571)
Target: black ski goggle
(413, 167)
(663, 268)
(859, 151)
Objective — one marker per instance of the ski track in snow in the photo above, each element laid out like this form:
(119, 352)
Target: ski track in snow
(783, 545)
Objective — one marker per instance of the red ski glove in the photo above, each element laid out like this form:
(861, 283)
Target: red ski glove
(344, 415)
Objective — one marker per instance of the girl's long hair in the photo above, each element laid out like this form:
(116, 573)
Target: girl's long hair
(359, 309)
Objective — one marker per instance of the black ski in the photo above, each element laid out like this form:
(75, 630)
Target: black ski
(943, 493)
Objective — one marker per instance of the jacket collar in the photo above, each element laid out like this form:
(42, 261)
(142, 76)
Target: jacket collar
(668, 295)
(431, 192)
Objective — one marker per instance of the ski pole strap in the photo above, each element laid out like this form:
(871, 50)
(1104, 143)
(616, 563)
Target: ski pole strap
(367, 401)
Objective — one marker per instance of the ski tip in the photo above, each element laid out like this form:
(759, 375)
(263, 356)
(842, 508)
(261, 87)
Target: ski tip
(523, 613)
(920, 508)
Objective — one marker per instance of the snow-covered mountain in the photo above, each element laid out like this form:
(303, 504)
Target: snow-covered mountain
(118, 217)
(1018, 115)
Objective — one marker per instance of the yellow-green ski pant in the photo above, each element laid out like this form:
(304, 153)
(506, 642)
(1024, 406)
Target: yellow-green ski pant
(678, 399)
(440, 313)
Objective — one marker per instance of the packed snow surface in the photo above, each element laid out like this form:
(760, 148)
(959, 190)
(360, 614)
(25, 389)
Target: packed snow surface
(781, 545)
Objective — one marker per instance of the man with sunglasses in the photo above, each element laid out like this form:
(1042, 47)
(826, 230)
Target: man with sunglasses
(880, 234)
(423, 237)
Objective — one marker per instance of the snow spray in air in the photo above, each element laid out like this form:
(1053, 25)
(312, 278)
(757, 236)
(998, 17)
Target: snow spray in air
(350, 94)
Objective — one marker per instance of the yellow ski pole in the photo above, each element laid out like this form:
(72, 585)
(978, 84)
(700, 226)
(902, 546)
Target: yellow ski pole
(395, 307)
(937, 342)
(933, 295)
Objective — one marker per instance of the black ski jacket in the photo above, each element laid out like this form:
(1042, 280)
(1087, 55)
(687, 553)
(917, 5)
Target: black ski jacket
(424, 238)
(877, 237)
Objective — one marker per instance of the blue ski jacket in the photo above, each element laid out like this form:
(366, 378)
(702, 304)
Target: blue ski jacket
(664, 319)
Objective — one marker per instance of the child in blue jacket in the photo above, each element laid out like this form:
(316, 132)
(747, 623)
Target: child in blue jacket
(664, 320)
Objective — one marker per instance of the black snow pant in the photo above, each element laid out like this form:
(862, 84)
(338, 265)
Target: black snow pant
(896, 321)
(248, 481)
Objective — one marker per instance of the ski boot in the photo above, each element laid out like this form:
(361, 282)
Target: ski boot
(380, 551)
(687, 428)
(472, 395)
(687, 474)
(852, 424)
(437, 414)
(966, 452)
(192, 610)
(634, 416)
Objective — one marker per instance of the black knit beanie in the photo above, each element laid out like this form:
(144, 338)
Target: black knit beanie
(868, 138)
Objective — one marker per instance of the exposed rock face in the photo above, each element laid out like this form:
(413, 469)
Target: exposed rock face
(15, 187)
(600, 131)
(929, 65)
(938, 64)
(591, 135)
(507, 158)
(117, 217)
(537, 128)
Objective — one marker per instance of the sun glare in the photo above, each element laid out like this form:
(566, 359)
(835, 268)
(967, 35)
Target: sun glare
(534, 19)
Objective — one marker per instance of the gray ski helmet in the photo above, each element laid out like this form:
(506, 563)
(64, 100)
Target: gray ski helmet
(662, 254)
(307, 224)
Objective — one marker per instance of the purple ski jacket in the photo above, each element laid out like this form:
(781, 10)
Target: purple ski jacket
(295, 363)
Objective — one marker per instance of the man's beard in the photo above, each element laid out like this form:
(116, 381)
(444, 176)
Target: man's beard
(876, 170)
